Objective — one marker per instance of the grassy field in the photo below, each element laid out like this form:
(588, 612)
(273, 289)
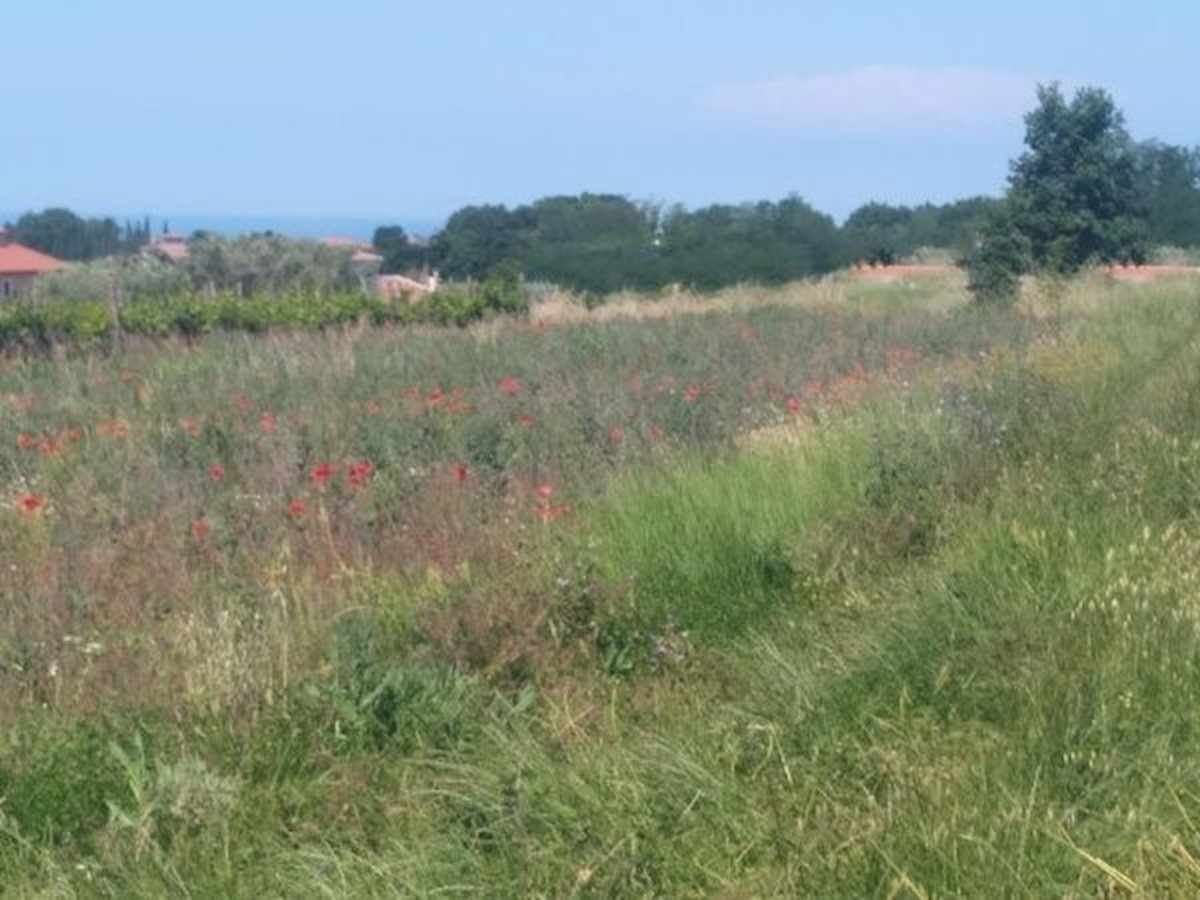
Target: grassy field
(832, 590)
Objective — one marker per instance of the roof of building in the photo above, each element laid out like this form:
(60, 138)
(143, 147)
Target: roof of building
(17, 259)
(171, 246)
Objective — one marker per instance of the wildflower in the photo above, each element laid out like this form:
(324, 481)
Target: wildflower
(616, 434)
(189, 426)
(509, 386)
(267, 422)
(545, 491)
(360, 472)
(201, 529)
(526, 420)
(460, 472)
(795, 404)
(435, 397)
(322, 472)
(31, 503)
(692, 394)
(297, 508)
(216, 472)
(28, 441)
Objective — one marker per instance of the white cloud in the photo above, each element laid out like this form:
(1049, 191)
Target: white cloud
(880, 100)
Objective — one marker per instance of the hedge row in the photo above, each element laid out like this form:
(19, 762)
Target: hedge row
(26, 325)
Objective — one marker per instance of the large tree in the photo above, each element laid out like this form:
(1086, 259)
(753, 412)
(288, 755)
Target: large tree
(1073, 192)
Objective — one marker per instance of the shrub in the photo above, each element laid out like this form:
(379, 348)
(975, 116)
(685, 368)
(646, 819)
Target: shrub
(995, 267)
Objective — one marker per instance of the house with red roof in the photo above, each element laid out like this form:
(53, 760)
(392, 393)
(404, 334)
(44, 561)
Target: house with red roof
(20, 265)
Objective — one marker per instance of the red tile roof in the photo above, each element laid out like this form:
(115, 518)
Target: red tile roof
(17, 259)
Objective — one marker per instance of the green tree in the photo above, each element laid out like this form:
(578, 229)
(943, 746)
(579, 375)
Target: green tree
(764, 243)
(879, 233)
(399, 251)
(1073, 192)
(1168, 180)
(591, 242)
(476, 239)
(999, 259)
(64, 234)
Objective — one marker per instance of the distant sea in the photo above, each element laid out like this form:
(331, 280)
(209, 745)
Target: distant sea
(292, 226)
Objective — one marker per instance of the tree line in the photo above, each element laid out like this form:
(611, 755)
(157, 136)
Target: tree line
(1082, 191)
(601, 243)
(66, 235)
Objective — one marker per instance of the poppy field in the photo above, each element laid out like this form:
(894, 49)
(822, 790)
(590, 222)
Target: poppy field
(833, 590)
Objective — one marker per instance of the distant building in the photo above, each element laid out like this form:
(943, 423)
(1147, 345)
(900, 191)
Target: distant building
(21, 265)
(172, 248)
(397, 287)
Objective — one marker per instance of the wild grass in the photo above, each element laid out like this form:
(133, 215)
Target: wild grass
(858, 600)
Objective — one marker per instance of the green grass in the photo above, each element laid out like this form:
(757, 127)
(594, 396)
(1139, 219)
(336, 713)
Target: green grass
(937, 633)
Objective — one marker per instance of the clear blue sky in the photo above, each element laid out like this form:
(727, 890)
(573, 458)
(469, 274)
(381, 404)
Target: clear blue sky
(407, 110)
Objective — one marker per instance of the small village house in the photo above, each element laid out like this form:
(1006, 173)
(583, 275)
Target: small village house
(172, 248)
(21, 265)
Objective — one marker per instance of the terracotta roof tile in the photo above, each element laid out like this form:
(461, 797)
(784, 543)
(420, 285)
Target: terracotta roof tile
(17, 259)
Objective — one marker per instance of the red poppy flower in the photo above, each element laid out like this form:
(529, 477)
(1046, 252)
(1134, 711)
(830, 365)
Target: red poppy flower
(267, 421)
(545, 491)
(27, 441)
(201, 529)
(322, 472)
(525, 420)
(616, 434)
(460, 472)
(360, 472)
(509, 386)
(795, 404)
(692, 394)
(297, 508)
(216, 472)
(31, 503)
(435, 397)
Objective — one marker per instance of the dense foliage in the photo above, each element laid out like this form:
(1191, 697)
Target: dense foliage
(61, 233)
(1073, 192)
(1082, 193)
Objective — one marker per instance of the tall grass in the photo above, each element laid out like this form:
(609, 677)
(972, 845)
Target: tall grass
(892, 603)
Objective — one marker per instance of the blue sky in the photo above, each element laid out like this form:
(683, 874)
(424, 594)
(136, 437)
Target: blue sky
(406, 111)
